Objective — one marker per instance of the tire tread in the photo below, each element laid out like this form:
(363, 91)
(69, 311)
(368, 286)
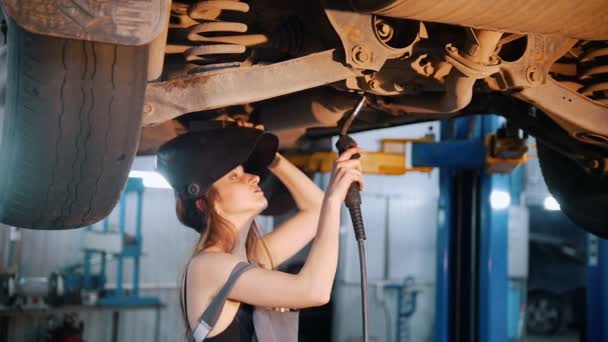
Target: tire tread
(70, 130)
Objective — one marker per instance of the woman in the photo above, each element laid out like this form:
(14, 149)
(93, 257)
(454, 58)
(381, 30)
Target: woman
(215, 174)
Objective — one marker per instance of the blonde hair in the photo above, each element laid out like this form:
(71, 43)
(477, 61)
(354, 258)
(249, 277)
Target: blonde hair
(216, 231)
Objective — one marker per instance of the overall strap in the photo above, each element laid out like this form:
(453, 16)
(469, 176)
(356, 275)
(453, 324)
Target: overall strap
(208, 319)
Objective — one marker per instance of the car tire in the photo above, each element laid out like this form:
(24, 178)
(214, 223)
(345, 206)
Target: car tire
(544, 314)
(70, 128)
(583, 197)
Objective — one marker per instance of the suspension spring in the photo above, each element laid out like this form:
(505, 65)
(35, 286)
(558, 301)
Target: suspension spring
(593, 71)
(213, 42)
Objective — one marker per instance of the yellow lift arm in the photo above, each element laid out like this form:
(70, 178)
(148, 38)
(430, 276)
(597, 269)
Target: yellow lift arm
(392, 157)
(390, 160)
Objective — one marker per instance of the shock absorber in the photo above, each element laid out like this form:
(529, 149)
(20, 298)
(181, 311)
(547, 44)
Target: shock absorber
(215, 43)
(593, 74)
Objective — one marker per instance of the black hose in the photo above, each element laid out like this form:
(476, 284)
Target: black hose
(357, 218)
(364, 301)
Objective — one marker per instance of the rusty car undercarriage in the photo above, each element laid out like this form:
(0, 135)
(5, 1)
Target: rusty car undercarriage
(298, 66)
(409, 56)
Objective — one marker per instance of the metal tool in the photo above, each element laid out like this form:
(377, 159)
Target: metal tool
(353, 202)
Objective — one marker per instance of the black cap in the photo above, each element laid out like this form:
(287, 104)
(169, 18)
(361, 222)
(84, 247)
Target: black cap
(192, 162)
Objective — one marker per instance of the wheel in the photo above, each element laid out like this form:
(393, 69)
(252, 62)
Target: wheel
(70, 128)
(544, 314)
(583, 197)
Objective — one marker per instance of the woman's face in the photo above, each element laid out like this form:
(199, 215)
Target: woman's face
(238, 193)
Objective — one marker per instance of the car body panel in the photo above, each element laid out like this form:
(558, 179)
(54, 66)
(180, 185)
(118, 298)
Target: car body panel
(115, 22)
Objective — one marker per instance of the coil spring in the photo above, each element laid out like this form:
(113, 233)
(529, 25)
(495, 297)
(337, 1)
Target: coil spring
(216, 42)
(593, 64)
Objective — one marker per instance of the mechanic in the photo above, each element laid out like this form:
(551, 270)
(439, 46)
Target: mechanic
(230, 283)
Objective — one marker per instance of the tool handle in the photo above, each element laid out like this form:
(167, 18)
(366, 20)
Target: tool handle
(353, 198)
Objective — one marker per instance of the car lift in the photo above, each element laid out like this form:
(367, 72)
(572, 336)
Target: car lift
(475, 156)
(472, 281)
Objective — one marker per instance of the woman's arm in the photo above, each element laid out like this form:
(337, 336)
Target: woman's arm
(267, 288)
(292, 235)
(312, 285)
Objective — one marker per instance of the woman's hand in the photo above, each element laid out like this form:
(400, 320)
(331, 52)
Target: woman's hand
(239, 122)
(244, 124)
(249, 124)
(345, 172)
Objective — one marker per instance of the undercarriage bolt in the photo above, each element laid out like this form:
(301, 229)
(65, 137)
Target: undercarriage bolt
(399, 87)
(533, 74)
(385, 31)
(360, 54)
(147, 109)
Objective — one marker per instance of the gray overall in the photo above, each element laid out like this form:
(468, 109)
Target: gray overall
(209, 318)
(270, 325)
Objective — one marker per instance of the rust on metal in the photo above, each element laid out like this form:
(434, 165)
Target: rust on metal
(574, 19)
(571, 110)
(363, 48)
(459, 82)
(223, 88)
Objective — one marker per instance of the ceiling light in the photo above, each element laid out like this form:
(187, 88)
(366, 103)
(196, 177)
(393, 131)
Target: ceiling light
(500, 199)
(551, 204)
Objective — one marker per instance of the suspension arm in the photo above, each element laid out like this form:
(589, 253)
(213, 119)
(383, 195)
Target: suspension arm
(170, 99)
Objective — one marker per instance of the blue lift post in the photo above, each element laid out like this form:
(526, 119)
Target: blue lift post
(472, 281)
(493, 266)
(597, 290)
